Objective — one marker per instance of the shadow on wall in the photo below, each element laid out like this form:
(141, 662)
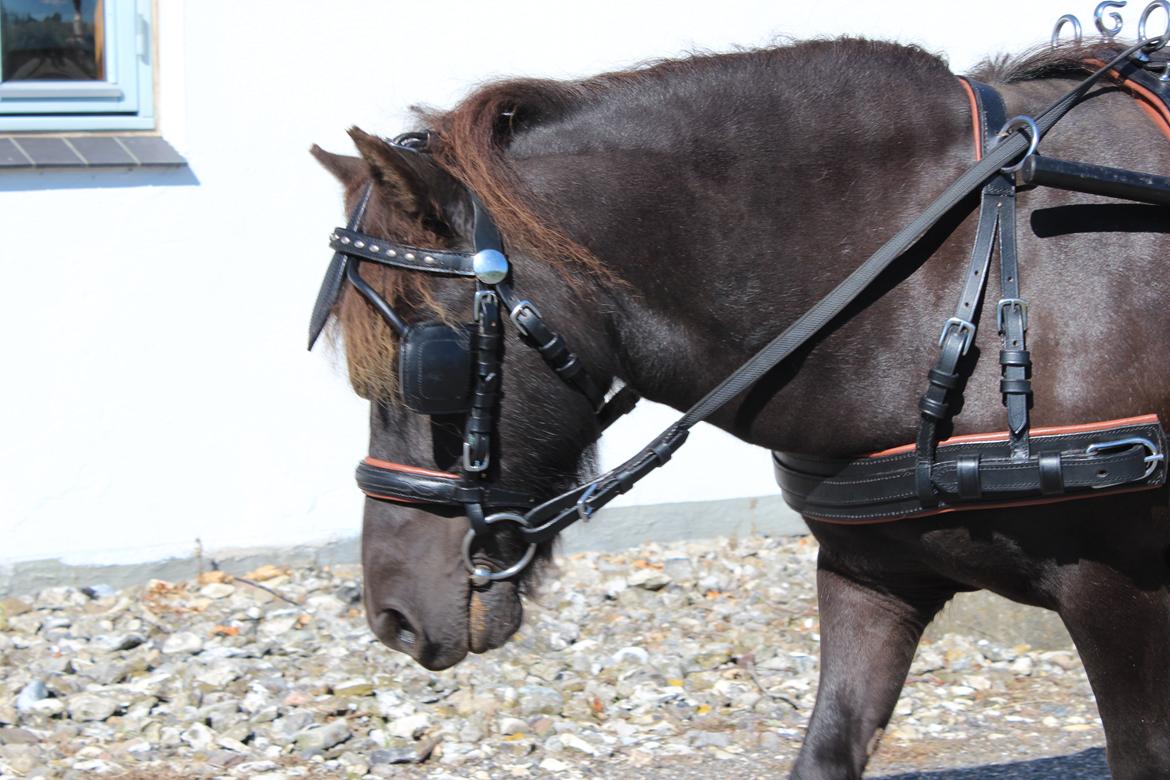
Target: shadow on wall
(1086, 765)
(82, 179)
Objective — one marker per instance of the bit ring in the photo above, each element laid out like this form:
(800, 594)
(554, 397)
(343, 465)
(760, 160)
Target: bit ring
(479, 573)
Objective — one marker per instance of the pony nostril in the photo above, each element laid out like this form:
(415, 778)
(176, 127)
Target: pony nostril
(405, 634)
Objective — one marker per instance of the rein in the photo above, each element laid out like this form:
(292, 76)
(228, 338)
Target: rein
(446, 370)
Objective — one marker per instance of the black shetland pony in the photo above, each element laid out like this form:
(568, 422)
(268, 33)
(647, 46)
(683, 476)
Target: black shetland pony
(670, 220)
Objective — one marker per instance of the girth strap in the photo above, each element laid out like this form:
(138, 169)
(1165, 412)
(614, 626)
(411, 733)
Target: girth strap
(973, 472)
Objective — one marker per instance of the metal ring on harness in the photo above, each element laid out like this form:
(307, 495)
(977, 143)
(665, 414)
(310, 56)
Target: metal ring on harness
(481, 575)
(1021, 122)
(1099, 18)
(1061, 22)
(1153, 459)
(1155, 43)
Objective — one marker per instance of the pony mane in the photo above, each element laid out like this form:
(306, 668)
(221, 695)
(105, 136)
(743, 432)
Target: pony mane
(1067, 60)
(475, 143)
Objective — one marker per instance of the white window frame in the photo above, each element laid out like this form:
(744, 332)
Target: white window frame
(123, 101)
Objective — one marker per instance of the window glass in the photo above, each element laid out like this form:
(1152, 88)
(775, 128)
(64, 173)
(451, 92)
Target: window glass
(52, 40)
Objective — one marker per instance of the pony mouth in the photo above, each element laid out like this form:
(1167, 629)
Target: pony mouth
(489, 624)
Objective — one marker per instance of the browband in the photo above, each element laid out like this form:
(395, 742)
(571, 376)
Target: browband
(410, 258)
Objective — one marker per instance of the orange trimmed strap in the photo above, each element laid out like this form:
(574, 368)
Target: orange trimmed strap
(391, 466)
(1059, 430)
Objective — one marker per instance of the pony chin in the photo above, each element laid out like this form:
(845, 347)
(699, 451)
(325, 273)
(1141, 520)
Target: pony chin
(493, 616)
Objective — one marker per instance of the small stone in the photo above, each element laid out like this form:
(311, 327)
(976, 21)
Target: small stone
(648, 579)
(411, 754)
(47, 708)
(86, 707)
(182, 643)
(633, 654)
(101, 591)
(30, 694)
(355, 687)
(713, 655)
(198, 736)
(116, 643)
(323, 737)
(22, 759)
(409, 727)
(678, 567)
(553, 765)
(278, 626)
(1022, 666)
(540, 700)
(217, 590)
(573, 742)
(218, 676)
(16, 736)
(510, 726)
(265, 572)
(12, 606)
(701, 739)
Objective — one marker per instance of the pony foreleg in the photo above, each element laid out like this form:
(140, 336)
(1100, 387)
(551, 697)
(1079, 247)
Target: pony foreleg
(868, 638)
(1123, 635)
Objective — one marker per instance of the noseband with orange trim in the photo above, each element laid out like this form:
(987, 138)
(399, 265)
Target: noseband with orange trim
(445, 370)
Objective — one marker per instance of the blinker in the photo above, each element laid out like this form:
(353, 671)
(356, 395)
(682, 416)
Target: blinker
(490, 266)
(435, 369)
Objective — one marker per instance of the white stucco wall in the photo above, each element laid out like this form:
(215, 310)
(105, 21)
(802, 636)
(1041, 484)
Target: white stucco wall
(155, 385)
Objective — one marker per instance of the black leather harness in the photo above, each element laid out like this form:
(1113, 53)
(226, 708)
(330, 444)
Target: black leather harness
(445, 370)
(1017, 466)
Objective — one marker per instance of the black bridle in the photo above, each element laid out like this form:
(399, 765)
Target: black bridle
(445, 370)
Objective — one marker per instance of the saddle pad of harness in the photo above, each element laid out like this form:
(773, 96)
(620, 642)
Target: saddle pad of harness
(977, 472)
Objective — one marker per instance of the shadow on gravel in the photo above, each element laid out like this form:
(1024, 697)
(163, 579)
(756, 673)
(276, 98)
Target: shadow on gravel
(1086, 765)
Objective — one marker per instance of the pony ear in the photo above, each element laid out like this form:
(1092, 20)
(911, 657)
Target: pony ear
(348, 170)
(412, 182)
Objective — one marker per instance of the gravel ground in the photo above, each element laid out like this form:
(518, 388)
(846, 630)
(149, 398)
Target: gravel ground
(665, 661)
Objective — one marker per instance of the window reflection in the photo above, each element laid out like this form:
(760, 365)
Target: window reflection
(56, 40)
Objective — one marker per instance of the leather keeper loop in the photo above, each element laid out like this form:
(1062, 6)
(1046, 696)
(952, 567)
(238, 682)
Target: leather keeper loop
(1051, 474)
(936, 410)
(943, 379)
(1015, 386)
(967, 474)
(1015, 357)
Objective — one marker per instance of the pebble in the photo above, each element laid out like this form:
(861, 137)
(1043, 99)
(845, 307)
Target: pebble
(182, 643)
(626, 662)
(30, 694)
(217, 590)
(85, 707)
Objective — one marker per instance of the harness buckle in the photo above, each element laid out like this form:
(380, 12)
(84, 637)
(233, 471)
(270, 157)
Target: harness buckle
(1015, 303)
(1153, 459)
(966, 329)
(474, 463)
(519, 309)
(584, 511)
(483, 297)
